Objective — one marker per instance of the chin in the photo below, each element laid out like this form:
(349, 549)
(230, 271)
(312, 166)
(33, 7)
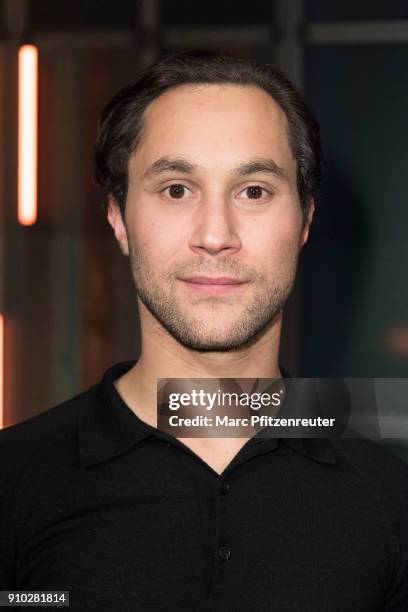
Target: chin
(212, 342)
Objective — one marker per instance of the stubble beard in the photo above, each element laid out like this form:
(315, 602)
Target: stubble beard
(197, 334)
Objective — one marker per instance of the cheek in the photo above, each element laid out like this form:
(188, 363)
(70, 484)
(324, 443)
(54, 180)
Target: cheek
(155, 241)
(276, 239)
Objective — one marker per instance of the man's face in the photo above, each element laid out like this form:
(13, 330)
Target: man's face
(212, 193)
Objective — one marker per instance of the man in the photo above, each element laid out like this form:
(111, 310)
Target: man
(209, 165)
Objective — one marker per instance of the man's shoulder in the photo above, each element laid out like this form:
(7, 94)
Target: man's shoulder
(21, 442)
(374, 464)
(365, 452)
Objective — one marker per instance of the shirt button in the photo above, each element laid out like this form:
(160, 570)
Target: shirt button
(225, 488)
(224, 553)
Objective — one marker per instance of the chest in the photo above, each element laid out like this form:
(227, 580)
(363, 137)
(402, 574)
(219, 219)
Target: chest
(164, 537)
(217, 453)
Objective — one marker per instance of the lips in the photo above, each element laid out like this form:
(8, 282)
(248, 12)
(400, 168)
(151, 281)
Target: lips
(213, 286)
(207, 280)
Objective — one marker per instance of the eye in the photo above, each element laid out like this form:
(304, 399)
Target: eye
(254, 192)
(176, 191)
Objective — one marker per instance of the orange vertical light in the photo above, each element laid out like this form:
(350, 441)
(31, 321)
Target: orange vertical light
(1, 371)
(27, 134)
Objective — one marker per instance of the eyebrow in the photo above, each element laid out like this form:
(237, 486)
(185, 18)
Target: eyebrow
(261, 164)
(167, 164)
(179, 164)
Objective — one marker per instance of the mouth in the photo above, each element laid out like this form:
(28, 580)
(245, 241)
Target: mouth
(205, 285)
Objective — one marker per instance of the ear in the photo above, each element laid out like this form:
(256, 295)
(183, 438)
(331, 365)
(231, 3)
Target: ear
(116, 222)
(307, 223)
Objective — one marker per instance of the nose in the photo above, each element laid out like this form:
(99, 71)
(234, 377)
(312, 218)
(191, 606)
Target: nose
(215, 228)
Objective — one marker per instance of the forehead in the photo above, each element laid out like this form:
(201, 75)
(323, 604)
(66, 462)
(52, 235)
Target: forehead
(215, 126)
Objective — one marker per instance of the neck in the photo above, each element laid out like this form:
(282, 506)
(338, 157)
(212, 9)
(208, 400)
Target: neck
(163, 357)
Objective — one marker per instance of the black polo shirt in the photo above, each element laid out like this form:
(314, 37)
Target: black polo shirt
(126, 517)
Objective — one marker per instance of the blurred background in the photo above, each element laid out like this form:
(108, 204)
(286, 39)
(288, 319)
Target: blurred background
(67, 305)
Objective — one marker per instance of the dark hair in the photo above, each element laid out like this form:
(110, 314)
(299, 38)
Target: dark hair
(121, 120)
